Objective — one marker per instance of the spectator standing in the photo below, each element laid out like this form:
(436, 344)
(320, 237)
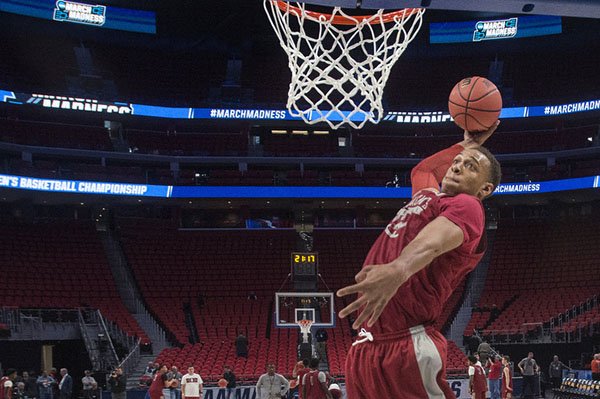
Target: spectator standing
(46, 384)
(241, 345)
(322, 337)
(175, 377)
(555, 371)
(495, 366)
(191, 385)
(30, 385)
(529, 368)
(272, 385)
(231, 382)
(89, 384)
(7, 384)
(118, 384)
(19, 392)
(65, 386)
(596, 367)
(484, 350)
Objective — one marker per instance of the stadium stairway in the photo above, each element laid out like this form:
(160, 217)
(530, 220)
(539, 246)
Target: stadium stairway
(475, 284)
(129, 292)
(133, 378)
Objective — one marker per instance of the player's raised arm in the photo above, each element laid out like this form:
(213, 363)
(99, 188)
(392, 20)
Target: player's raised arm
(429, 172)
(378, 284)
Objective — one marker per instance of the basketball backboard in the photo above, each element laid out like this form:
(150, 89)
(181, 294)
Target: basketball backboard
(291, 307)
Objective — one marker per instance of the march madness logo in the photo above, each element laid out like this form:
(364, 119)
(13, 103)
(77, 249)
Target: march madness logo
(68, 11)
(501, 29)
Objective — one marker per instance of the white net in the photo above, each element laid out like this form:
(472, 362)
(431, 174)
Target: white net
(340, 63)
(305, 326)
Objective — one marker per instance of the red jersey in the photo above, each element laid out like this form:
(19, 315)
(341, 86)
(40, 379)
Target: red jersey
(158, 383)
(507, 383)
(479, 380)
(495, 370)
(301, 374)
(6, 388)
(420, 299)
(595, 366)
(314, 389)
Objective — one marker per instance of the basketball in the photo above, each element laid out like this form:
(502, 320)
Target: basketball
(475, 104)
(222, 383)
(174, 383)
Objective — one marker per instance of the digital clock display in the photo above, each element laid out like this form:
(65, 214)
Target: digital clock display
(304, 263)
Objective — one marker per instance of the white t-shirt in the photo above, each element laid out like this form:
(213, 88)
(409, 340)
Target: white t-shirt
(190, 384)
(8, 384)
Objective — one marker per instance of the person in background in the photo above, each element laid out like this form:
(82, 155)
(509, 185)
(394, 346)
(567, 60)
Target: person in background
(89, 384)
(231, 383)
(484, 350)
(30, 385)
(65, 386)
(45, 384)
(118, 384)
(596, 367)
(507, 382)
(555, 371)
(495, 365)
(7, 383)
(529, 368)
(477, 381)
(241, 346)
(191, 384)
(19, 392)
(175, 377)
(272, 385)
(300, 369)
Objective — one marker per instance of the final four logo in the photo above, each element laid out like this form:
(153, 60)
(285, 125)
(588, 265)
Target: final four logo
(68, 11)
(501, 29)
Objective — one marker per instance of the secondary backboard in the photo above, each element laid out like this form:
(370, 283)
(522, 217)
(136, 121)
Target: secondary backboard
(290, 307)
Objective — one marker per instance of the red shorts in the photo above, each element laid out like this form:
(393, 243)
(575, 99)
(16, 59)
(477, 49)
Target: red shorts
(410, 364)
(479, 395)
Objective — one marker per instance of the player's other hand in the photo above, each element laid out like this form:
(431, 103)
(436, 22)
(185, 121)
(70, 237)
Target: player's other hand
(376, 284)
(478, 138)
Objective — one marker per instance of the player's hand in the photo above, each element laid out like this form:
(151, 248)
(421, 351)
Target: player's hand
(376, 284)
(478, 138)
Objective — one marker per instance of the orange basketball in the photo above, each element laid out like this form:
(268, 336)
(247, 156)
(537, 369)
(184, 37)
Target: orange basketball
(475, 104)
(222, 383)
(174, 383)
(293, 383)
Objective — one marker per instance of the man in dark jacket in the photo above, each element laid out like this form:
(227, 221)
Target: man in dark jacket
(118, 383)
(66, 384)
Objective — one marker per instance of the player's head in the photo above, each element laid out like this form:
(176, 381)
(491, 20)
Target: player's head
(305, 362)
(271, 368)
(191, 370)
(530, 355)
(11, 373)
(474, 171)
(314, 363)
(506, 360)
(472, 360)
(162, 369)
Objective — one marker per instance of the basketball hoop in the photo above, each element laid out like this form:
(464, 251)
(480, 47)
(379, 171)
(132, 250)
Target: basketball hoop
(340, 63)
(305, 326)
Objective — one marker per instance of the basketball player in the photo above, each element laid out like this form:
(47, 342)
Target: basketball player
(300, 369)
(314, 383)
(507, 383)
(477, 380)
(6, 384)
(160, 382)
(191, 385)
(412, 269)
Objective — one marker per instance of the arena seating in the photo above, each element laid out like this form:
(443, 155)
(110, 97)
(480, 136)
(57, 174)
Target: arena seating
(537, 271)
(582, 320)
(60, 265)
(188, 143)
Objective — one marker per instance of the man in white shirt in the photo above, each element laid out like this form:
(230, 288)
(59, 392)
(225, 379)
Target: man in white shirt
(272, 385)
(191, 385)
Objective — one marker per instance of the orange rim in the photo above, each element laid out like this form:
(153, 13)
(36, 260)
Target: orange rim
(344, 20)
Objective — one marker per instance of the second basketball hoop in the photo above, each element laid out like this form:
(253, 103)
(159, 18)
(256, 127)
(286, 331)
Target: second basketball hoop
(340, 63)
